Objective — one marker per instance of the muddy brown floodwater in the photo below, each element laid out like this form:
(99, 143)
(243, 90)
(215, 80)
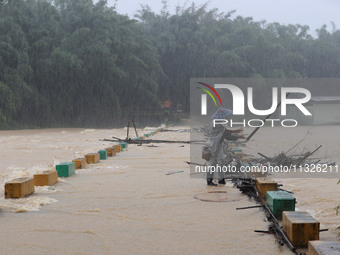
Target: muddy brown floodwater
(128, 205)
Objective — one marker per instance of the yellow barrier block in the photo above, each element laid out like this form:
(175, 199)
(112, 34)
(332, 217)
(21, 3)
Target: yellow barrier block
(300, 227)
(111, 151)
(19, 188)
(47, 178)
(323, 247)
(240, 154)
(92, 158)
(265, 184)
(118, 148)
(80, 163)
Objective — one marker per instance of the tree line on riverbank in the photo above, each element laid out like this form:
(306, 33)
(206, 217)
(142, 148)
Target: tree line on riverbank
(67, 63)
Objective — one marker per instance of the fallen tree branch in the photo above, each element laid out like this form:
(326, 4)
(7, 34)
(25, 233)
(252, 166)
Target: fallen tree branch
(147, 141)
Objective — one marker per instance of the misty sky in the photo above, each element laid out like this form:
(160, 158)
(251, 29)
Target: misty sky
(314, 13)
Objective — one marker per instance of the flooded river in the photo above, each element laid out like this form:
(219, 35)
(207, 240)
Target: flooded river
(129, 205)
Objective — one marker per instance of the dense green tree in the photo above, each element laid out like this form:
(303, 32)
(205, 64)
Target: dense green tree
(80, 63)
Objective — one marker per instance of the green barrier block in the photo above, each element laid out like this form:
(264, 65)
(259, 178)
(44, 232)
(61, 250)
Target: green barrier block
(102, 154)
(66, 169)
(236, 150)
(146, 135)
(124, 145)
(279, 201)
(136, 138)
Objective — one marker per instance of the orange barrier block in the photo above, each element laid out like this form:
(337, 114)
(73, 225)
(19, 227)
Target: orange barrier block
(19, 188)
(118, 148)
(47, 178)
(111, 151)
(265, 184)
(300, 227)
(92, 158)
(80, 163)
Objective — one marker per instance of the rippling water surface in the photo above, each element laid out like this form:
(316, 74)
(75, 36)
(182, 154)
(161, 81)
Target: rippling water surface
(128, 205)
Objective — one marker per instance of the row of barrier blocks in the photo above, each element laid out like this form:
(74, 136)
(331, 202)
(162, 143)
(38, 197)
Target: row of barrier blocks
(149, 134)
(300, 227)
(22, 187)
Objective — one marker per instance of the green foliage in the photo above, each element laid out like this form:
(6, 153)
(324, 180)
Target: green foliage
(72, 63)
(80, 63)
(196, 42)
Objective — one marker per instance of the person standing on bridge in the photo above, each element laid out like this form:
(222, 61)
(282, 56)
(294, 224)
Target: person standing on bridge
(217, 145)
